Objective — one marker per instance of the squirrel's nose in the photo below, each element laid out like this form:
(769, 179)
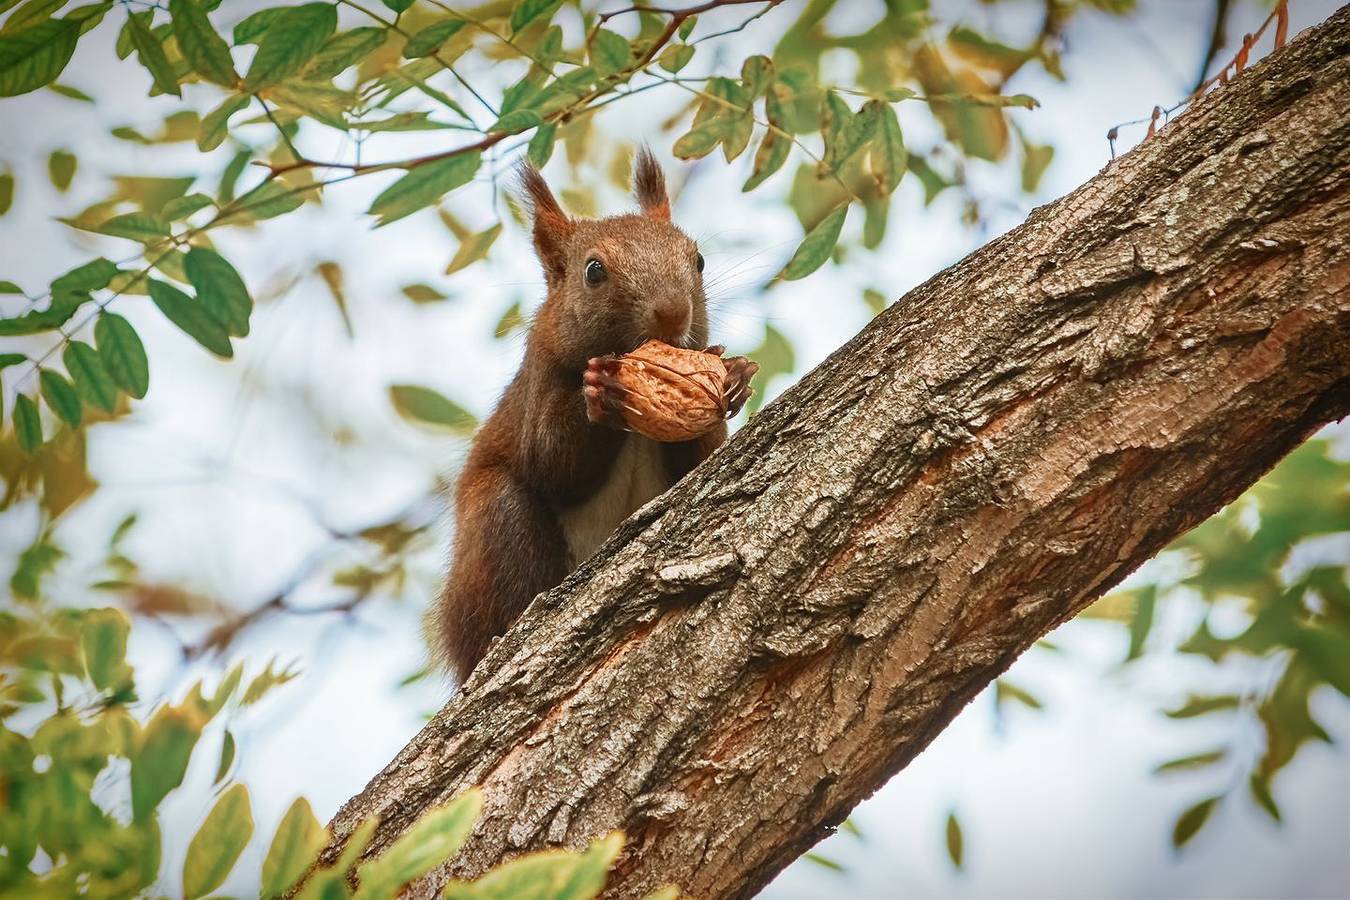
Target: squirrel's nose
(672, 320)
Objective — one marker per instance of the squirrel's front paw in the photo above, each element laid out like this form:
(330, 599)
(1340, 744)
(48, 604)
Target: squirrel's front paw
(603, 392)
(736, 387)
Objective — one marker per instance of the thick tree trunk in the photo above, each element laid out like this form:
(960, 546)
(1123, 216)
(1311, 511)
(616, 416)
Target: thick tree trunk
(765, 645)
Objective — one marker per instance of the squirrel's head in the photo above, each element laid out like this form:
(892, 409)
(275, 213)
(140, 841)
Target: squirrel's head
(615, 282)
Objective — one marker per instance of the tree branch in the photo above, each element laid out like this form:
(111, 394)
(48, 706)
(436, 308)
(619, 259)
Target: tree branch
(762, 647)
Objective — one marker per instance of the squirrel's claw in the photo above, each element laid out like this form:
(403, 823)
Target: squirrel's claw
(603, 393)
(736, 388)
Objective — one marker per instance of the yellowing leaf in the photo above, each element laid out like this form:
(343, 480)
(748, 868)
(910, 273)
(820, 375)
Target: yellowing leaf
(955, 842)
(546, 875)
(425, 406)
(473, 248)
(298, 840)
(432, 839)
(217, 844)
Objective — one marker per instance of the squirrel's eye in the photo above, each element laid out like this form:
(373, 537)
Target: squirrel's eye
(699, 263)
(595, 272)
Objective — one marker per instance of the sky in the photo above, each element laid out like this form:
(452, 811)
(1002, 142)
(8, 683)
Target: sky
(235, 474)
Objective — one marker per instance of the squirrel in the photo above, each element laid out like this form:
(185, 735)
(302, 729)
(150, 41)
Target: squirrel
(553, 471)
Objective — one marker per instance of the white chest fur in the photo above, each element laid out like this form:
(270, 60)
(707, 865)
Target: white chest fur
(637, 475)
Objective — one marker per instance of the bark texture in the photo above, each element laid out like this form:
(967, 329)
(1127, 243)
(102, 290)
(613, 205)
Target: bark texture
(763, 646)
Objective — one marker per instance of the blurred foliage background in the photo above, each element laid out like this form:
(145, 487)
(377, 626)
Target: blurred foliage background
(261, 271)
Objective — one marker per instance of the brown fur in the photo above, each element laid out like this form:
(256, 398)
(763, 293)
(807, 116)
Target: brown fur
(539, 455)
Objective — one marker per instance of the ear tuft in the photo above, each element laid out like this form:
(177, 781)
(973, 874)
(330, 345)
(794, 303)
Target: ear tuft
(552, 226)
(649, 183)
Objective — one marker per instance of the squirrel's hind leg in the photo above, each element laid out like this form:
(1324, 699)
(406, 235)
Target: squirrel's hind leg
(508, 548)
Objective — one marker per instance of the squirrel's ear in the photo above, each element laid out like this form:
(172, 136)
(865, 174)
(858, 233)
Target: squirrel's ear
(552, 226)
(649, 183)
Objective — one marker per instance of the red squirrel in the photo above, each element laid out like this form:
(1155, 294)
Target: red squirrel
(553, 471)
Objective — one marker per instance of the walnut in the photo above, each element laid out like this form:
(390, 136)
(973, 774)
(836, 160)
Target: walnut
(673, 394)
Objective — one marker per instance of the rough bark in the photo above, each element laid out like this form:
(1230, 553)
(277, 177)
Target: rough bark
(762, 647)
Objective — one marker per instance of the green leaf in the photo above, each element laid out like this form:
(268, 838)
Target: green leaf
(823, 861)
(9, 287)
(265, 681)
(297, 842)
(11, 359)
(526, 11)
(215, 124)
(217, 844)
(6, 191)
(152, 55)
(955, 842)
(61, 167)
(756, 75)
(425, 406)
(268, 200)
(1035, 160)
(103, 636)
(92, 380)
(29, 14)
(344, 50)
(183, 207)
(687, 27)
(1259, 786)
(1199, 706)
(220, 289)
(512, 319)
(227, 752)
(35, 562)
(192, 317)
(27, 423)
(90, 276)
(422, 293)
(1006, 691)
(889, 158)
(291, 40)
(252, 27)
(817, 246)
(609, 52)
(545, 875)
(769, 158)
(205, 50)
(1189, 822)
(1198, 761)
(675, 57)
(61, 397)
(432, 839)
(423, 186)
(73, 93)
(473, 248)
(161, 759)
(142, 227)
(541, 145)
(35, 56)
(702, 139)
(122, 353)
(1144, 603)
(516, 120)
(429, 39)
(62, 307)
(398, 6)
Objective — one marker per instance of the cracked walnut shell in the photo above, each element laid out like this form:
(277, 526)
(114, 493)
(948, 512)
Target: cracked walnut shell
(673, 394)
